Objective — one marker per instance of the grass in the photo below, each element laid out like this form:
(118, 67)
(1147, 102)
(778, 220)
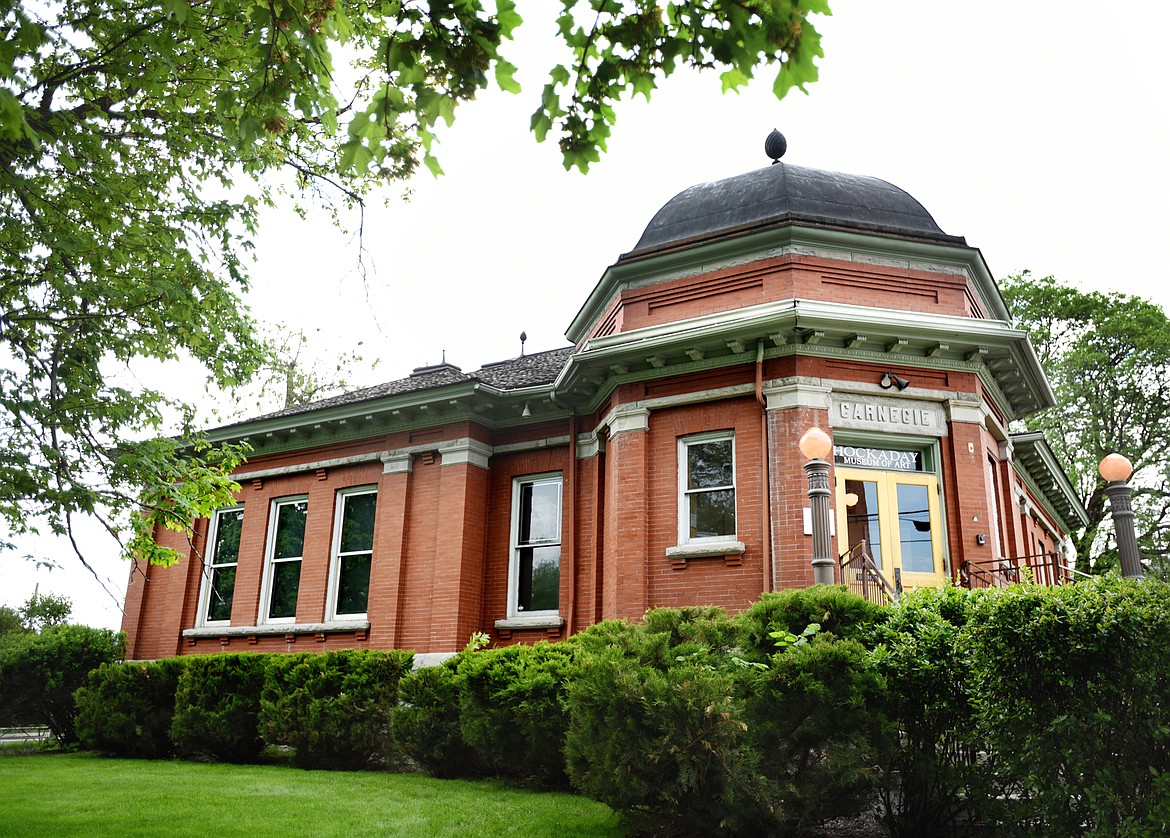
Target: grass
(63, 795)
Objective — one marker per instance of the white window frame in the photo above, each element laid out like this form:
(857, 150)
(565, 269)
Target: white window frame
(209, 566)
(684, 494)
(335, 554)
(514, 612)
(270, 560)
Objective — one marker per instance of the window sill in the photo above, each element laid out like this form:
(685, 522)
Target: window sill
(540, 622)
(731, 551)
(278, 629)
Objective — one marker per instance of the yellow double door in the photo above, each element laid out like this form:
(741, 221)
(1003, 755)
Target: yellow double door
(897, 514)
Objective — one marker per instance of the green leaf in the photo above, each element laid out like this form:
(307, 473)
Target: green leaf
(505, 73)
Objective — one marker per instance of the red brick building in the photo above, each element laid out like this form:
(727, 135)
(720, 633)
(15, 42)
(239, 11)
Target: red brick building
(653, 462)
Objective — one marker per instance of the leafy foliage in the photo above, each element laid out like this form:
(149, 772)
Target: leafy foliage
(126, 709)
(43, 610)
(139, 141)
(333, 708)
(687, 732)
(217, 706)
(1108, 358)
(40, 672)
(938, 776)
(1071, 690)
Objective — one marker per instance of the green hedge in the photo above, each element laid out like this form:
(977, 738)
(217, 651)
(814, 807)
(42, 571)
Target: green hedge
(1072, 690)
(493, 712)
(511, 706)
(333, 708)
(696, 723)
(217, 706)
(426, 726)
(40, 672)
(126, 709)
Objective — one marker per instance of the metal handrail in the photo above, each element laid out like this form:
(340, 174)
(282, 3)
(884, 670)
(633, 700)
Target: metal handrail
(861, 575)
(1041, 568)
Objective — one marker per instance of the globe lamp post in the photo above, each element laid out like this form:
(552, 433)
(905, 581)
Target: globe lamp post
(815, 444)
(1117, 470)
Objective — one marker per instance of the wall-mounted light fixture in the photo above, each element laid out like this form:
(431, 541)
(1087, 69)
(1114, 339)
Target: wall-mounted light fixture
(890, 380)
(526, 412)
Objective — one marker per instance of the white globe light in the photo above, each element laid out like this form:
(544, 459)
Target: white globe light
(1116, 468)
(815, 444)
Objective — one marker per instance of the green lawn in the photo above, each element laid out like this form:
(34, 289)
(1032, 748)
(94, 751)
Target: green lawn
(62, 795)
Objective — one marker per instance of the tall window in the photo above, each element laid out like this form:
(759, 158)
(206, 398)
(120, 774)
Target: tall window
(286, 543)
(535, 572)
(220, 574)
(706, 488)
(353, 551)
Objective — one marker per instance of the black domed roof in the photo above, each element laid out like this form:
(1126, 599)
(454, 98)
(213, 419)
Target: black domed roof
(782, 194)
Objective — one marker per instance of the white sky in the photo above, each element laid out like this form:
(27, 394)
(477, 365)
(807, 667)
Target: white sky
(1031, 127)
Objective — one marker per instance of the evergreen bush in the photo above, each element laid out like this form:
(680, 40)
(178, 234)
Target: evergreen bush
(126, 709)
(655, 730)
(511, 709)
(333, 708)
(217, 707)
(426, 726)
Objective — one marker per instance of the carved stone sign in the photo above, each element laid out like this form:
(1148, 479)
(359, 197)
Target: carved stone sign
(874, 413)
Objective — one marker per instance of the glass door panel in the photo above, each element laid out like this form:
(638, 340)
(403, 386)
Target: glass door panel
(897, 514)
(862, 517)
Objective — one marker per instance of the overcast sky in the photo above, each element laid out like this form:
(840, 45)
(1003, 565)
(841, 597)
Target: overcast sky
(1037, 130)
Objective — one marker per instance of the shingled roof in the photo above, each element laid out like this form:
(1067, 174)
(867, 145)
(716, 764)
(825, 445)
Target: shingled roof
(525, 371)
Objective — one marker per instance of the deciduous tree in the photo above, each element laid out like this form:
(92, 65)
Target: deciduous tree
(1108, 359)
(139, 139)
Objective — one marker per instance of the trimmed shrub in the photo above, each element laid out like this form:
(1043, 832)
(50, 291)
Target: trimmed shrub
(126, 709)
(511, 709)
(333, 708)
(655, 732)
(217, 705)
(831, 607)
(40, 672)
(816, 730)
(1072, 694)
(685, 728)
(425, 723)
(939, 777)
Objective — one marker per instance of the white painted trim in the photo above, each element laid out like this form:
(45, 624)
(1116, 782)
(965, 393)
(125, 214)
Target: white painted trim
(207, 562)
(335, 547)
(684, 496)
(274, 505)
(514, 546)
(269, 630)
(698, 396)
(279, 471)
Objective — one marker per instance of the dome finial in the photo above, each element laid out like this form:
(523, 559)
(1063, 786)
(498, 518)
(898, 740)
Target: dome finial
(775, 146)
